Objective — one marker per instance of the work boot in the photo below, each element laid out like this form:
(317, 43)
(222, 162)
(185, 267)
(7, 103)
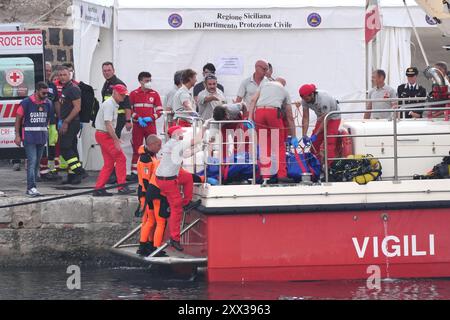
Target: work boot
(76, 179)
(125, 191)
(191, 205)
(132, 177)
(101, 193)
(83, 173)
(68, 180)
(161, 254)
(51, 176)
(112, 178)
(145, 249)
(176, 244)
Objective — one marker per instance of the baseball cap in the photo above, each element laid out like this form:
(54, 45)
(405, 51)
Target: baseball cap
(120, 89)
(173, 129)
(306, 90)
(412, 71)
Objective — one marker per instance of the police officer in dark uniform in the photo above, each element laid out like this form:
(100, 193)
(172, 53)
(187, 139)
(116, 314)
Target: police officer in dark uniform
(411, 89)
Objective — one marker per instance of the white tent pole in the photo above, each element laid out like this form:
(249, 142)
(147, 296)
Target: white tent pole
(417, 35)
(115, 40)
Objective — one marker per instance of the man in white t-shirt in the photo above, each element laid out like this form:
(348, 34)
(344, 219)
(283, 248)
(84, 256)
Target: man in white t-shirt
(106, 137)
(380, 91)
(250, 85)
(210, 98)
(169, 178)
(183, 102)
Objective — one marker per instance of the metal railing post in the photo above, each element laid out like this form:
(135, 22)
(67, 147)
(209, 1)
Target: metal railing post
(254, 153)
(394, 123)
(325, 141)
(220, 152)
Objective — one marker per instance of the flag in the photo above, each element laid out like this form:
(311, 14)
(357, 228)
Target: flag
(373, 21)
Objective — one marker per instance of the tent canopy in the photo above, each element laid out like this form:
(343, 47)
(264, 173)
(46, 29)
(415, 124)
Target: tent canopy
(331, 54)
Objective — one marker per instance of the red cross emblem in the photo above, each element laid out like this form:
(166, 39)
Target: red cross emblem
(14, 77)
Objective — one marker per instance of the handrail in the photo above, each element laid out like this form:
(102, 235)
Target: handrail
(383, 100)
(221, 143)
(411, 107)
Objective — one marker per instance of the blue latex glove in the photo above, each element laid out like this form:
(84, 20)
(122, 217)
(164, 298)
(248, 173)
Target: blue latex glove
(313, 138)
(81, 125)
(147, 119)
(249, 125)
(60, 123)
(306, 140)
(142, 122)
(212, 181)
(294, 142)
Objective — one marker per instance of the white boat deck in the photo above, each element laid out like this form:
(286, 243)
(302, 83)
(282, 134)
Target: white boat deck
(334, 193)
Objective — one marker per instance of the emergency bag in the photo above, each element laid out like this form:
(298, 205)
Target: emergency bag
(88, 101)
(240, 171)
(358, 168)
(439, 171)
(304, 162)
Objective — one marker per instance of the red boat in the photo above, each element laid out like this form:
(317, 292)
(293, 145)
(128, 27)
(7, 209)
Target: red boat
(332, 230)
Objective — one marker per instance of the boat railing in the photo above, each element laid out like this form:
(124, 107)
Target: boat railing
(249, 144)
(422, 106)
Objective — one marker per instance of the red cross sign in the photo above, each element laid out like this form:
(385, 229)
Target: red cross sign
(14, 77)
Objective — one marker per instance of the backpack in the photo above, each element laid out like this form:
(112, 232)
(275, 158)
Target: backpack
(88, 102)
(439, 171)
(358, 168)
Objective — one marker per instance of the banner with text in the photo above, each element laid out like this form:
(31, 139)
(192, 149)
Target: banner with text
(95, 14)
(235, 19)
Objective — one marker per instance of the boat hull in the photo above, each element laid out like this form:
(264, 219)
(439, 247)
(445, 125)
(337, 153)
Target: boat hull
(326, 245)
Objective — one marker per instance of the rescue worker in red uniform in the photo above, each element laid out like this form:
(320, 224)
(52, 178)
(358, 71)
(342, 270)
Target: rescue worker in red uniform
(169, 178)
(153, 224)
(146, 107)
(267, 109)
(321, 103)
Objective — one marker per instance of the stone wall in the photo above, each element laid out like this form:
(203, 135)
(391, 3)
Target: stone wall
(64, 231)
(58, 45)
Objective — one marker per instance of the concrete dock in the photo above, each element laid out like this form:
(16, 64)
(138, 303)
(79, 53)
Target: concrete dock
(79, 229)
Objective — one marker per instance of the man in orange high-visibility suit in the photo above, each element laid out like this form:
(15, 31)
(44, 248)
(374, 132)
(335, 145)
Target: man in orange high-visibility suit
(153, 225)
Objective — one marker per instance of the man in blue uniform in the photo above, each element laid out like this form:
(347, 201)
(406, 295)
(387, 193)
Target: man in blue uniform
(32, 119)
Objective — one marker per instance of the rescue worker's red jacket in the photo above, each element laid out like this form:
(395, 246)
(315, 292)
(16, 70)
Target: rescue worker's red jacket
(145, 104)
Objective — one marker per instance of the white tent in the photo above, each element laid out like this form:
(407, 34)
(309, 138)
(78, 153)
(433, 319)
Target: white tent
(317, 42)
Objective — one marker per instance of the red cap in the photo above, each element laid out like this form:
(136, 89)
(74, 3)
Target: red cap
(173, 129)
(120, 89)
(306, 90)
